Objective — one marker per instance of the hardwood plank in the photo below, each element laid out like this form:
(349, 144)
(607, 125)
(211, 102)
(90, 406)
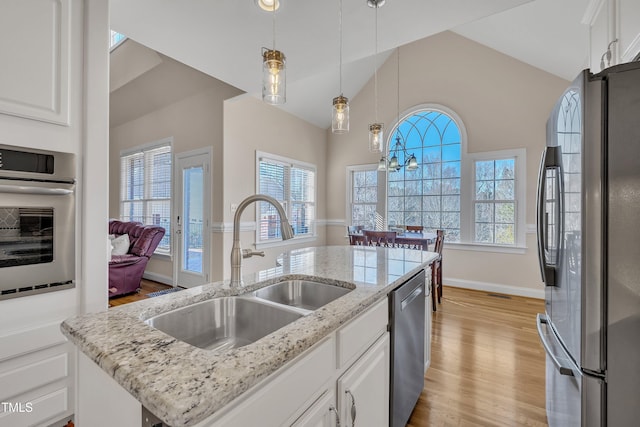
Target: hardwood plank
(146, 287)
(487, 363)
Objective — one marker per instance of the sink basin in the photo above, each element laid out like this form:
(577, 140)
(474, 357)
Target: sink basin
(305, 294)
(223, 323)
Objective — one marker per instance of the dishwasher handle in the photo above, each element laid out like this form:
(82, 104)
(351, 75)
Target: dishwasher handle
(409, 298)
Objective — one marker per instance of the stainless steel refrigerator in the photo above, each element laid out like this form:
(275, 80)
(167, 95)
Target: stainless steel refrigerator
(588, 219)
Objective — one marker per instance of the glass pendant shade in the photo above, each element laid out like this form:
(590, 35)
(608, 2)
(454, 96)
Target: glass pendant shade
(393, 163)
(273, 77)
(413, 163)
(382, 165)
(376, 137)
(340, 115)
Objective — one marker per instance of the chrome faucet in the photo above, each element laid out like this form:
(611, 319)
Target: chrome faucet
(236, 254)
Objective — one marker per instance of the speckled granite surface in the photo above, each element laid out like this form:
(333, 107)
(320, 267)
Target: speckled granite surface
(183, 384)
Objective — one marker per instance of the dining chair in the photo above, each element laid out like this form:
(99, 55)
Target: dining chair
(380, 238)
(355, 235)
(354, 229)
(436, 270)
(414, 229)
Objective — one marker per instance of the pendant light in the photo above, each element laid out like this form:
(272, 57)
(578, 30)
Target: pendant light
(376, 130)
(340, 110)
(410, 160)
(273, 70)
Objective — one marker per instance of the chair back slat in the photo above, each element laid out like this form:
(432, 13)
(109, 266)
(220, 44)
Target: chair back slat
(380, 238)
(415, 229)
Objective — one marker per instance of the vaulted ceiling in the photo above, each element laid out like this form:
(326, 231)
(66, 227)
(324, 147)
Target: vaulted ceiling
(224, 38)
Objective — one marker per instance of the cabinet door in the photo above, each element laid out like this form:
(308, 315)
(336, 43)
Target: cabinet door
(363, 390)
(427, 330)
(629, 29)
(322, 413)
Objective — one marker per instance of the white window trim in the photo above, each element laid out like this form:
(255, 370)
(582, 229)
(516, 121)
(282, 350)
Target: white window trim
(467, 185)
(141, 149)
(286, 161)
(520, 156)
(349, 188)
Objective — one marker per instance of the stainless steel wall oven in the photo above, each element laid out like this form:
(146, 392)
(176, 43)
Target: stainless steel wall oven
(37, 221)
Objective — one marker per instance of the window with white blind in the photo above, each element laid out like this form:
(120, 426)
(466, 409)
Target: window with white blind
(293, 184)
(145, 188)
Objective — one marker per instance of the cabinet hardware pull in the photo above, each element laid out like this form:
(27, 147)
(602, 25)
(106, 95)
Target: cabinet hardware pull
(333, 408)
(353, 408)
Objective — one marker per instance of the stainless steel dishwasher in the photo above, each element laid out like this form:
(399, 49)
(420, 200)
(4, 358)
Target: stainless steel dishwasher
(406, 311)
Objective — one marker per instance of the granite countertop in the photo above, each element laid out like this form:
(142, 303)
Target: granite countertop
(182, 384)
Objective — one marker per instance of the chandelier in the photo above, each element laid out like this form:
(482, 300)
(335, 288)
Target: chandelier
(409, 160)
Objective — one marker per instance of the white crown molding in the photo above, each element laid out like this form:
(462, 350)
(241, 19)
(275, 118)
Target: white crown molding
(494, 287)
(631, 51)
(592, 12)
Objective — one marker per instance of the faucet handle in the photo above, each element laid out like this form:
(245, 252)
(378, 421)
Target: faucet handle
(248, 253)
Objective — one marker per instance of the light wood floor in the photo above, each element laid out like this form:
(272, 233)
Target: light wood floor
(147, 286)
(487, 365)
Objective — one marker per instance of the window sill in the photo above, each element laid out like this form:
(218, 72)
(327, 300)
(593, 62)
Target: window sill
(294, 241)
(480, 247)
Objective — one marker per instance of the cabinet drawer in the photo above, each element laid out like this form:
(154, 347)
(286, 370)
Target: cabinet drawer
(24, 378)
(360, 333)
(35, 411)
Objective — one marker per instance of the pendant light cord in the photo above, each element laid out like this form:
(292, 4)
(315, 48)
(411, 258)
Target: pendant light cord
(274, 24)
(340, 21)
(398, 125)
(375, 67)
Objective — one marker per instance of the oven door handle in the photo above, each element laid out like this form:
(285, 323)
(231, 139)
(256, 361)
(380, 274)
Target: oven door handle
(34, 189)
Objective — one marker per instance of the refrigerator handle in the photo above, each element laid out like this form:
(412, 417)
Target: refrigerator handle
(550, 159)
(542, 319)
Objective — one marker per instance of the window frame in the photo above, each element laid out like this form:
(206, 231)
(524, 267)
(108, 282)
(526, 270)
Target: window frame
(467, 185)
(147, 185)
(290, 163)
(520, 159)
(382, 196)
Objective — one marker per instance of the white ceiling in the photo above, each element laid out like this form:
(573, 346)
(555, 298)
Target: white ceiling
(223, 38)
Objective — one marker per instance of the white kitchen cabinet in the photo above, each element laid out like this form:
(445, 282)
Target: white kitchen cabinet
(36, 377)
(363, 390)
(41, 81)
(428, 313)
(614, 25)
(628, 15)
(322, 413)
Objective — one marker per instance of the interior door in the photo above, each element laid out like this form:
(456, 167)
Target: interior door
(192, 218)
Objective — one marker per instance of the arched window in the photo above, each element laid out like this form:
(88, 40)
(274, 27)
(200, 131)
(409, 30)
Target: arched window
(429, 195)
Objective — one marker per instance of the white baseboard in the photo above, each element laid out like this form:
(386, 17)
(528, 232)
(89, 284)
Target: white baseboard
(494, 287)
(149, 275)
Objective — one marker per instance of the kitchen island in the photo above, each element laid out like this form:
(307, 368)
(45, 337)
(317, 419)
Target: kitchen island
(184, 385)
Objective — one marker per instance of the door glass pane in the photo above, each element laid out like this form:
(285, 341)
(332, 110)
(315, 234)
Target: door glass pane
(192, 179)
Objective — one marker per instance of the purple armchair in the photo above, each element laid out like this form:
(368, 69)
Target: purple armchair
(125, 271)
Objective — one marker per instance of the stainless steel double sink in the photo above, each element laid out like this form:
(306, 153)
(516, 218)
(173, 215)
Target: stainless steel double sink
(231, 322)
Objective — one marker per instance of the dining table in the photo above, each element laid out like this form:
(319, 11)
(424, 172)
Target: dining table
(405, 239)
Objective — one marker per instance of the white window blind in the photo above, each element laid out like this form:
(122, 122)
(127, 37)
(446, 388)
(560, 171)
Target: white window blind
(145, 188)
(291, 183)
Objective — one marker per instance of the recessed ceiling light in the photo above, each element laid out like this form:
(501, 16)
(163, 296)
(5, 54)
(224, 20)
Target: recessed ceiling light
(268, 4)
